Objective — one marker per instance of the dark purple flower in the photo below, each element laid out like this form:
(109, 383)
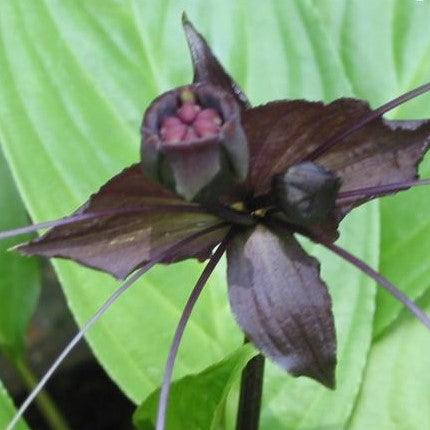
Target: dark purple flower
(215, 170)
(193, 142)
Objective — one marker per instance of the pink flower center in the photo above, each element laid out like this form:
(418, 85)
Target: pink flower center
(191, 121)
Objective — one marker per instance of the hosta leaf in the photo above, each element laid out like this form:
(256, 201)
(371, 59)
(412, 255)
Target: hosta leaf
(80, 124)
(397, 385)
(19, 280)
(76, 77)
(385, 49)
(213, 386)
(7, 410)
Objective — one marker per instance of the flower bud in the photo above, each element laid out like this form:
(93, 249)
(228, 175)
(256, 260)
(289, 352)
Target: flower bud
(193, 142)
(306, 193)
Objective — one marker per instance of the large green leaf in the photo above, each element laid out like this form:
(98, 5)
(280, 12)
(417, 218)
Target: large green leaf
(7, 411)
(76, 77)
(385, 48)
(397, 50)
(184, 412)
(19, 280)
(397, 385)
(67, 126)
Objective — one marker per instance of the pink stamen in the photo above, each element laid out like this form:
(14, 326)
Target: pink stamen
(187, 113)
(210, 115)
(190, 135)
(190, 122)
(205, 128)
(171, 121)
(174, 134)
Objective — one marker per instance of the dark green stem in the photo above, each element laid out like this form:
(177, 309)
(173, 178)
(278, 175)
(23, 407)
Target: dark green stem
(44, 402)
(251, 389)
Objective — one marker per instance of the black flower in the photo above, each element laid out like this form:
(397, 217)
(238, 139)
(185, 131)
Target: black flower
(215, 170)
(193, 142)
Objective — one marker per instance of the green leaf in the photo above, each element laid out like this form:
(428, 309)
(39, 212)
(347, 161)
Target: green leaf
(76, 77)
(213, 386)
(7, 411)
(68, 125)
(397, 385)
(19, 279)
(396, 57)
(385, 48)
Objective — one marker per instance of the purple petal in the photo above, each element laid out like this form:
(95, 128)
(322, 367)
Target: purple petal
(281, 302)
(381, 153)
(284, 133)
(119, 244)
(367, 118)
(206, 66)
(280, 134)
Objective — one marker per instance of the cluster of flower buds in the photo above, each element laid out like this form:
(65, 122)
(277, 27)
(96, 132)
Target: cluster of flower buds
(191, 121)
(193, 142)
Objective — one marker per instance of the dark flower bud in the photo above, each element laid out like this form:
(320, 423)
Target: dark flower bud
(193, 142)
(306, 193)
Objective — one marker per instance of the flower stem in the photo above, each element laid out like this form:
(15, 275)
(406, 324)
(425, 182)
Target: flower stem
(45, 403)
(251, 389)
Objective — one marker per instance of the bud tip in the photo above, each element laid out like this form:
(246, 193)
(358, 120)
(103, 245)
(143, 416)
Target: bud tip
(187, 96)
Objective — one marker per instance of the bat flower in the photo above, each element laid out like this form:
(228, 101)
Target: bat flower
(219, 175)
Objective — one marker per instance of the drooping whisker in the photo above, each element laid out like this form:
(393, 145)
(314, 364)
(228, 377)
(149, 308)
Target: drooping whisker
(186, 313)
(380, 280)
(366, 119)
(95, 215)
(366, 269)
(346, 197)
(174, 249)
